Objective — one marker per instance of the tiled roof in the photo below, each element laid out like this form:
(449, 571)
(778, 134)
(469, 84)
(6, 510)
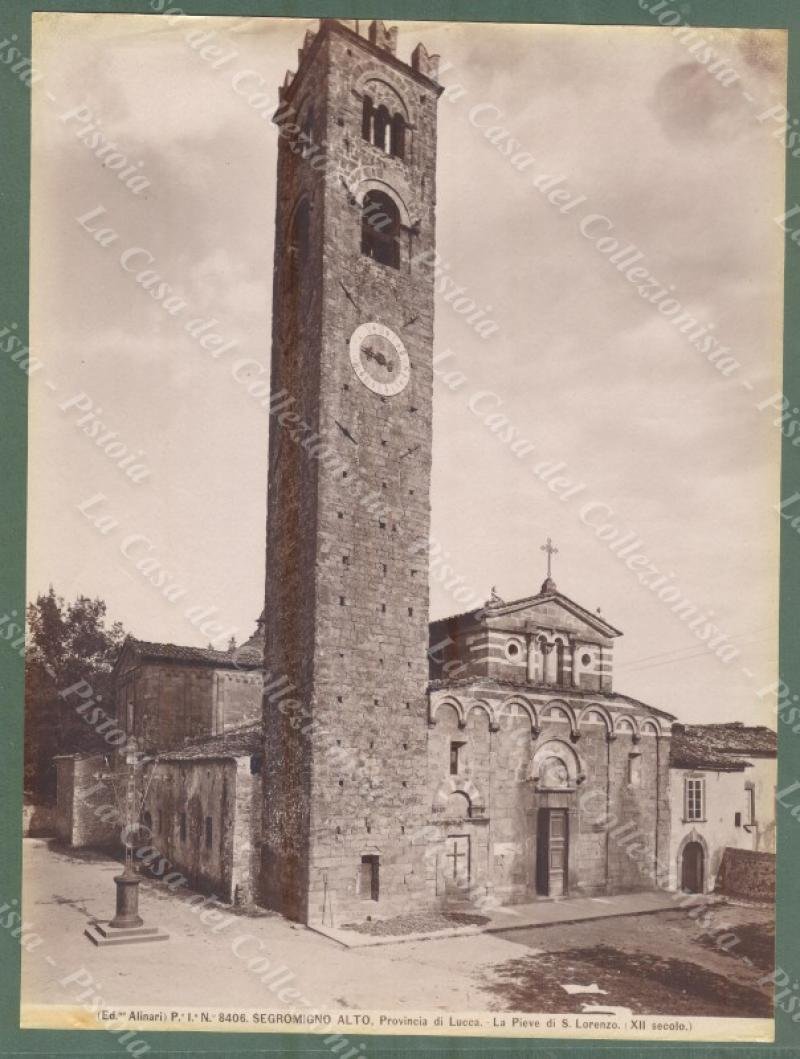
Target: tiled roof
(723, 747)
(235, 743)
(241, 658)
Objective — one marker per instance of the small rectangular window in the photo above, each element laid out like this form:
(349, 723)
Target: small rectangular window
(750, 794)
(455, 758)
(183, 826)
(368, 882)
(737, 819)
(634, 770)
(209, 832)
(160, 822)
(695, 799)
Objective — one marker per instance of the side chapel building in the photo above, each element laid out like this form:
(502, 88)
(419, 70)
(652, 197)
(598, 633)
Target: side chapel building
(392, 764)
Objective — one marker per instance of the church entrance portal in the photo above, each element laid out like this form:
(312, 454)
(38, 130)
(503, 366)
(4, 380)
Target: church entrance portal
(692, 868)
(551, 852)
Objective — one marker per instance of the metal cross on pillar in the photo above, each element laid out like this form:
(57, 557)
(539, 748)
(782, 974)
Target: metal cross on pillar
(551, 550)
(127, 926)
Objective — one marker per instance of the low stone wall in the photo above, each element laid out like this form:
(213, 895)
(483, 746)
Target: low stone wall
(39, 819)
(201, 815)
(745, 873)
(87, 814)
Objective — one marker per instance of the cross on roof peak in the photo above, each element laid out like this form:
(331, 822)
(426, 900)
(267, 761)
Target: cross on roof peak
(551, 550)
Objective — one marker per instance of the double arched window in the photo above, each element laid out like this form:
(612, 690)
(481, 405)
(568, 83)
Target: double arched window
(380, 229)
(552, 660)
(560, 671)
(385, 130)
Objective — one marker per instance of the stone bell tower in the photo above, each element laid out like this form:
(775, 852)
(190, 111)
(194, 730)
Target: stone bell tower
(345, 707)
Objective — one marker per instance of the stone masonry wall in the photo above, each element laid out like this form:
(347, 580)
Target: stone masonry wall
(245, 850)
(347, 594)
(747, 874)
(292, 508)
(195, 791)
(173, 702)
(372, 585)
(39, 819)
(87, 810)
(618, 830)
(237, 698)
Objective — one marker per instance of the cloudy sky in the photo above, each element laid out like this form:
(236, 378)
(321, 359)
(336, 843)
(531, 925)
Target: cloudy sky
(586, 370)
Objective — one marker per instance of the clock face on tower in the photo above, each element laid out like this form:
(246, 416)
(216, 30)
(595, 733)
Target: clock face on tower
(379, 359)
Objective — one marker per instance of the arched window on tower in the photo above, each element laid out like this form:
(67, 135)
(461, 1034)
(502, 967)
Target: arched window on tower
(381, 124)
(380, 229)
(398, 136)
(382, 128)
(366, 118)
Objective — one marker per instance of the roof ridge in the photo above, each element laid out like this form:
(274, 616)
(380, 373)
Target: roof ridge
(487, 609)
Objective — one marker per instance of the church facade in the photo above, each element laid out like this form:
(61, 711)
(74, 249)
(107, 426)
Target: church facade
(533, 757)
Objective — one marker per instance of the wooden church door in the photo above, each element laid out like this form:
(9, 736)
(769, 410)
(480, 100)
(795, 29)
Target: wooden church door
(551, 852)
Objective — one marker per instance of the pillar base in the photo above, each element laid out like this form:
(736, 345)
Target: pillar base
(102, 934)
(127, 900)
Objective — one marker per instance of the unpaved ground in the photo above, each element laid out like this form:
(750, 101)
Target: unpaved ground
(656, 963)
(660, 964)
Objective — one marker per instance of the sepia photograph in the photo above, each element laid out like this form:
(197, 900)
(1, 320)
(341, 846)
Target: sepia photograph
(405, 408)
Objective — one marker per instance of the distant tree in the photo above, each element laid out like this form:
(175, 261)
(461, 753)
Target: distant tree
(65, 643)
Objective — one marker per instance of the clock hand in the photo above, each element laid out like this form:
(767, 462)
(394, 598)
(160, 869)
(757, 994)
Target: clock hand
(379, 358)
(345, 431)
(350, 297)
(409, 451)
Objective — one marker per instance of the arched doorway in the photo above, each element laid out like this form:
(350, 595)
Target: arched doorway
(692, 868)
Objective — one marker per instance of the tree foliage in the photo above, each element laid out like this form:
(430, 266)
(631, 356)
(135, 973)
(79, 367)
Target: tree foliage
(65, 643)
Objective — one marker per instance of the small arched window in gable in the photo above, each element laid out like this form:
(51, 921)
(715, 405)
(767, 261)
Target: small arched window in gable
(398, 136)
(380, 229)
(561, 677)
